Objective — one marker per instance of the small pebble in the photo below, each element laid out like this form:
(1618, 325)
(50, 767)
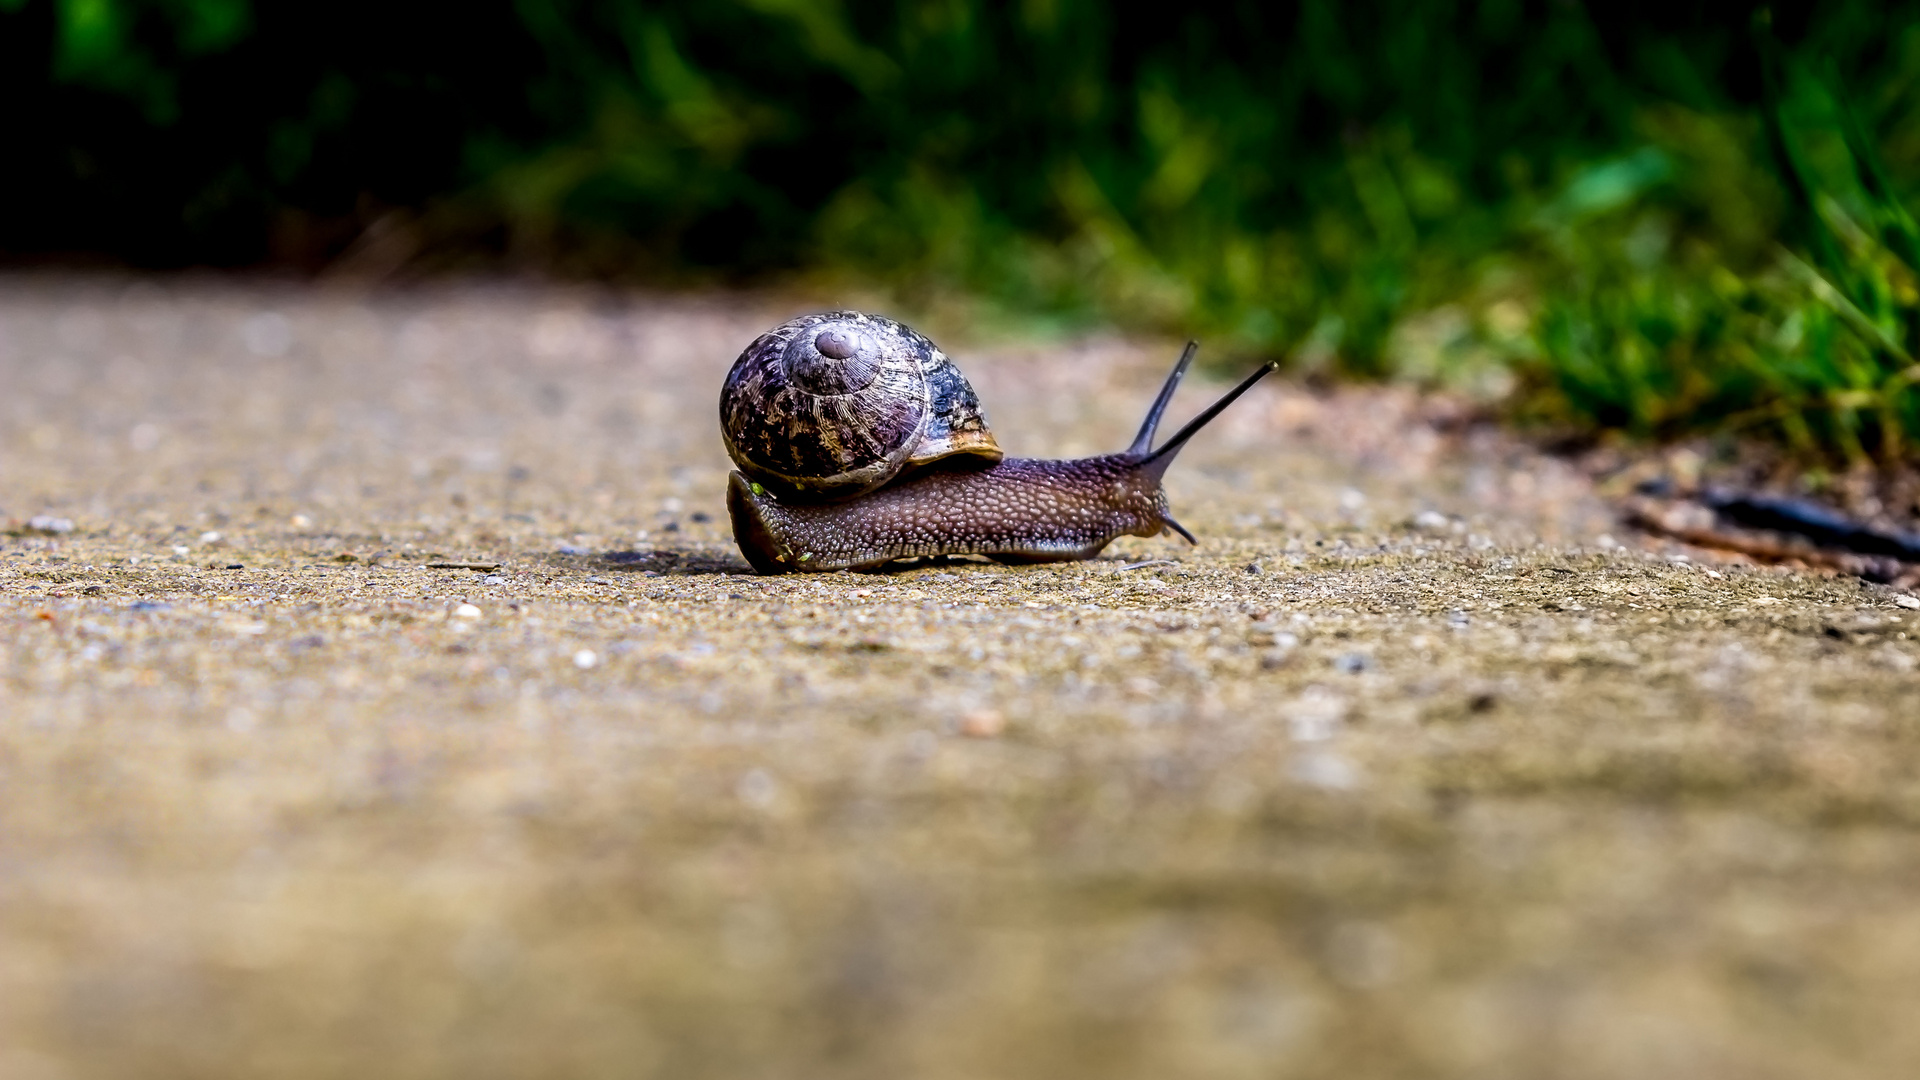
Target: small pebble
(147, 605)
(1911, 603)
(757, 789)
(1352, 663)
(1253, 568)
(236, 566)
(47, 523)
(466, 611)
(209, 537)
(983, 724)
(493, 579)
(700, 517)
(302, 521)
(585, 659)
(1321, 769)
(1430, 519)
(571, 549)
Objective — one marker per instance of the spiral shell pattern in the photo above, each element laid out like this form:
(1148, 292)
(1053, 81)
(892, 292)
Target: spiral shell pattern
(833, 405)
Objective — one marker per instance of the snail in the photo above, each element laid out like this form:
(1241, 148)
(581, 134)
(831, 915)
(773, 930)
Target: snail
(859, 442)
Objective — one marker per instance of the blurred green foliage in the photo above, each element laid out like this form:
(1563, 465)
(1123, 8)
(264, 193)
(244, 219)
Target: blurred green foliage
(1657, 218)
(1762, 282)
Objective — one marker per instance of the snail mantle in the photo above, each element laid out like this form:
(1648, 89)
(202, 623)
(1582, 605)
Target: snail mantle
(859, 442)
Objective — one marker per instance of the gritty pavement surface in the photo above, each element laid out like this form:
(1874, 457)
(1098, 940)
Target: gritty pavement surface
(381, 695)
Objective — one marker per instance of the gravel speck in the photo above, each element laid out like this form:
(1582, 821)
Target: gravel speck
(983, 723)
(757, 789)
(1325, 769)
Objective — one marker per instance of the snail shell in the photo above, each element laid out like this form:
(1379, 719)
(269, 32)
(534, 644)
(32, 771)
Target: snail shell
(828, 407)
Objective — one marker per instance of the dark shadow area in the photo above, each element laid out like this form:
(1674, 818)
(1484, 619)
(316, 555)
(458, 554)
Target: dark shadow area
(667, 563)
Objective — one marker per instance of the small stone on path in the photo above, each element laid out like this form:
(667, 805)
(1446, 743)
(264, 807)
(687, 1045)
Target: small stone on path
(983, 724)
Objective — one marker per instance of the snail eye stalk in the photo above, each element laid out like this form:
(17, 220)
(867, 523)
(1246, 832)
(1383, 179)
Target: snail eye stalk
(1159, 459)
(1143, 442)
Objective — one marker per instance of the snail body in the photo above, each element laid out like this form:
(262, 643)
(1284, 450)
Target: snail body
(860, 443)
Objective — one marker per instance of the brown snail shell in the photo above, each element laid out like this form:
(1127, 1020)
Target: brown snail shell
(831, 406)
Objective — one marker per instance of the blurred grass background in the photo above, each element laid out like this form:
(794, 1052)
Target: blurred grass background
(1654, 219)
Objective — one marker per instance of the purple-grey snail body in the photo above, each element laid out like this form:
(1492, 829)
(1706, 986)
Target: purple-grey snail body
(858, 442)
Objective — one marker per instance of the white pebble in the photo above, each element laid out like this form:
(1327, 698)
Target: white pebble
(47, 523)
(1324, 770)
(757, 789)
(209, 537)
(585, 659)
(466, 611)
(1911, 603)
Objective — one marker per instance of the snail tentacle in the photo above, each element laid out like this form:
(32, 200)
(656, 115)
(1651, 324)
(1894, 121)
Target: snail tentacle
(1143, 442)
(1172, 446)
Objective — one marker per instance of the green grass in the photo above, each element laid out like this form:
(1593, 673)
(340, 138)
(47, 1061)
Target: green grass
(1660, 321)
(1649, 219)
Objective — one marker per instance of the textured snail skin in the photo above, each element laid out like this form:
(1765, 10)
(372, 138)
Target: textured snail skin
(1018, 509)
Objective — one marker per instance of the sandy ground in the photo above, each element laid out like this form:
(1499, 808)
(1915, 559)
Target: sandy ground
(1409, 769)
